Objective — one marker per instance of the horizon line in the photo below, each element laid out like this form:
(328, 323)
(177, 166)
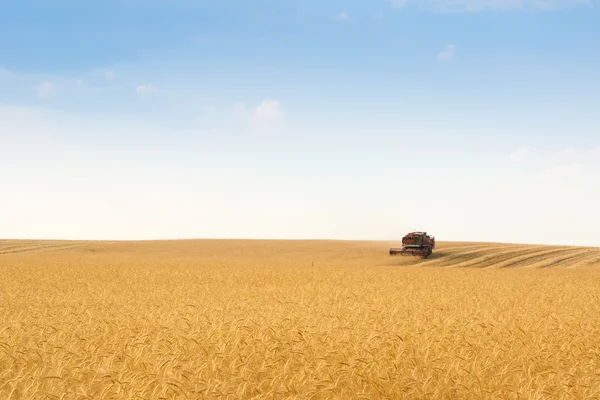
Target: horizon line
(267, 239)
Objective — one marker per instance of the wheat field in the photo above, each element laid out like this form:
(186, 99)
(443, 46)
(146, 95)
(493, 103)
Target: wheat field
(242, 319)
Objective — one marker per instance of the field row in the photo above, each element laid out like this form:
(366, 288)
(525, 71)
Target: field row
(447, 254)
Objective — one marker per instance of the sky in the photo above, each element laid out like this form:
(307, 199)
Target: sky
(472, 120)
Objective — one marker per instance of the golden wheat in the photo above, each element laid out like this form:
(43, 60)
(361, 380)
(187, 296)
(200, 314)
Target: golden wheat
(297, 319)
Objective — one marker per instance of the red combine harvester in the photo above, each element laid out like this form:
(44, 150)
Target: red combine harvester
(415, 244)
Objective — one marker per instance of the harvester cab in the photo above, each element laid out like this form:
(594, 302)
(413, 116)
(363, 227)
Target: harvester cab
(415, 244)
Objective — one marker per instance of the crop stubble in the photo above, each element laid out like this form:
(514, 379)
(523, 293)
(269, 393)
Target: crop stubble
(269, 319)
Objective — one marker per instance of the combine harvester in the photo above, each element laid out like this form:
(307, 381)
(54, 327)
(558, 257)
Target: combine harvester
(415, 244)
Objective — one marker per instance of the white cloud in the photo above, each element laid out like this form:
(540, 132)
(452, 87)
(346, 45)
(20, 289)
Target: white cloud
(4, 72)
(569, 154)
(46, 89)
(573, 155)
(520, 154)
(104, 75)
(564, 172)
(264, 118)
(146, 89)
(343, 16)
(486, 5)
(268, 110)
(447, 54)
(109, 75)
(379, 16)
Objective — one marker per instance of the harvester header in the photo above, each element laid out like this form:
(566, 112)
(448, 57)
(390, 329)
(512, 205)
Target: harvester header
(415, 244)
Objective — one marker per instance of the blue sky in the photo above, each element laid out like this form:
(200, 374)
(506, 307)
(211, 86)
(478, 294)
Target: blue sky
(470, 119)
